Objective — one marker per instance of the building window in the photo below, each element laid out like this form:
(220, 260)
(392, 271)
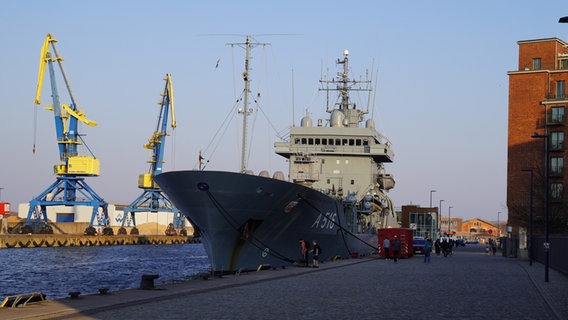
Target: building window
(424, 224)
(556, 166)
(564, 64)
(556, 115)
(536, 63)
(556, 140)
(560, 89)
(556, 191)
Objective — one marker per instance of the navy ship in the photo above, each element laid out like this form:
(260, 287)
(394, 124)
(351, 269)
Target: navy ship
(336, 193)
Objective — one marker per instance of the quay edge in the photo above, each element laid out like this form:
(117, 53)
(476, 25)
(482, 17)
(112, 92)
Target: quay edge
(8, 241)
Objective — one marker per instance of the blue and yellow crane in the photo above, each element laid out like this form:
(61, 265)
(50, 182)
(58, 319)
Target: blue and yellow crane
(152, 198)
(70, 188)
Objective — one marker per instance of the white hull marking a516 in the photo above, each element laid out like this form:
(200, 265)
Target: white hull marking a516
(326, 222)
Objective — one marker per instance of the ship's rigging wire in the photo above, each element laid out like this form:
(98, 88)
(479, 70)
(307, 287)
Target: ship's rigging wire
(370, 89)
(35, 130)
(216, 140)
(224, 125)
(375, 96)
(173, 150)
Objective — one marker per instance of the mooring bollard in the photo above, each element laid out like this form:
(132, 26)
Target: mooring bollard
(147, 281)
(103, 290)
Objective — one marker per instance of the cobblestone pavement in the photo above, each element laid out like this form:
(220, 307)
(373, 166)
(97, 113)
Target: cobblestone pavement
(467, 285)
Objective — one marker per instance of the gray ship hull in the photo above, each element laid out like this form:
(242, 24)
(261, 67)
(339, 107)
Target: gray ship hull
(249, 221)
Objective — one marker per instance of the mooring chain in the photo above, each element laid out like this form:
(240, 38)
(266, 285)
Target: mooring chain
(251, 239)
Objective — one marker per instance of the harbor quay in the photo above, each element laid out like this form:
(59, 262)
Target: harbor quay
(470, 284)
(9, 241)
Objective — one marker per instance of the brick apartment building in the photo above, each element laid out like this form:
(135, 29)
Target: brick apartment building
(537, 106)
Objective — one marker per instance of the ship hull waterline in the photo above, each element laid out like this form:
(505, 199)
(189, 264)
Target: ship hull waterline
(249, 221)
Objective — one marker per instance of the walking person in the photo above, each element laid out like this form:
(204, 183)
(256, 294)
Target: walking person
(316, 251)
(386, 247)
(305, 247)
(437, 246)
(427, 250)
(395, 246)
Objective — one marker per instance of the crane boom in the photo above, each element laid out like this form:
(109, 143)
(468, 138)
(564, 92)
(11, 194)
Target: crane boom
(70, 189)
(66, 117)
(153, 199)
(43, 58)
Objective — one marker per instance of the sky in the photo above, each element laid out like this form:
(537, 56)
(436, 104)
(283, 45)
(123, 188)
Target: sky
(440, 71)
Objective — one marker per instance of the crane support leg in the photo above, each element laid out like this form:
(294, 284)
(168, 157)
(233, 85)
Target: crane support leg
(67, 191)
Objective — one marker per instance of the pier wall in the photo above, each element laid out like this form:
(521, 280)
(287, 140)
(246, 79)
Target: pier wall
(8, 241)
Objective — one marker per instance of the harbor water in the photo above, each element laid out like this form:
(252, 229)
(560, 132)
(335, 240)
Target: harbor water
(56, 271)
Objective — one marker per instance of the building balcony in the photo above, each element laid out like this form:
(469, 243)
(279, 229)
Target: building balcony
(562, 96)
(554, 119)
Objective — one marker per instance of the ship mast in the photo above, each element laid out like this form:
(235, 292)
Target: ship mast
(344, 85)
(248, 45)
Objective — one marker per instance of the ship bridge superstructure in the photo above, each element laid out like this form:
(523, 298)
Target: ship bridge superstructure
(338, 158)
(345, 155)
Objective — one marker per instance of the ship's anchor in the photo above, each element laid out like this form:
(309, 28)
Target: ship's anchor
(250, 239)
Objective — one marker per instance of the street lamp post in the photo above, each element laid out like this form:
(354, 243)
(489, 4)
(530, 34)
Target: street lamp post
(546, 195)
(531, 217)
(449, 218)
(498, 225)
(440, 215)
(430, 210)
(431, 191)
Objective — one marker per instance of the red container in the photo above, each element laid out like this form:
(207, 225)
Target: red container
(404, 235)
(4, 208)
